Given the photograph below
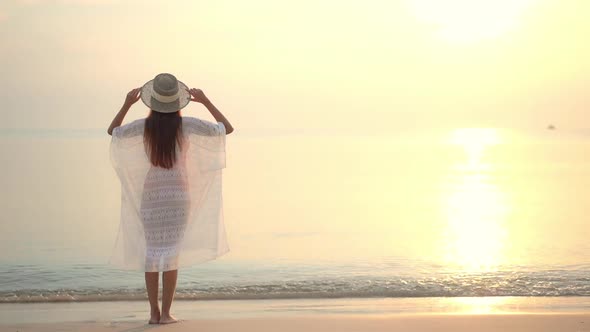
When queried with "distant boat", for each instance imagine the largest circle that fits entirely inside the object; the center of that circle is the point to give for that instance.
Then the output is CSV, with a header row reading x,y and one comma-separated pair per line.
x,y
551,127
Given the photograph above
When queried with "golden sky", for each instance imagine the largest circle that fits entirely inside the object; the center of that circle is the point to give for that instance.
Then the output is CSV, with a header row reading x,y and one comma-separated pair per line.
x,y
309,65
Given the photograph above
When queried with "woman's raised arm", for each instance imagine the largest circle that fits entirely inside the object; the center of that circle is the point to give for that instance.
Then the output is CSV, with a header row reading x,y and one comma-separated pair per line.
x,y
131,98
198,96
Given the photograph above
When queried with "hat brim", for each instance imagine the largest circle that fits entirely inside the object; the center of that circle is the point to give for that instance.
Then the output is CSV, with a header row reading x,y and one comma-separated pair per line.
x,y
147,93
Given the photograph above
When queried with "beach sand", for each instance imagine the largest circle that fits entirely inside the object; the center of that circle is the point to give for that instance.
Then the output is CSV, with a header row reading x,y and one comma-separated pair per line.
x,y
317,323
555,314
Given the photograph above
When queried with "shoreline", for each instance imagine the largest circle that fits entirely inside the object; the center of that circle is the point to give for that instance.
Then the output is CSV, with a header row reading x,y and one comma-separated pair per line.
x,y
546,322
119,312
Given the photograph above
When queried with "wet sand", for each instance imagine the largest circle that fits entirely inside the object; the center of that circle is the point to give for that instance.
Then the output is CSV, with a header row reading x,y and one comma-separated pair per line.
x,y
575,322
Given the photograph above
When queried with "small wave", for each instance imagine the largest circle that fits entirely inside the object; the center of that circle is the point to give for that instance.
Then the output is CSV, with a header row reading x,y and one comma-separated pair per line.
x,y
549,284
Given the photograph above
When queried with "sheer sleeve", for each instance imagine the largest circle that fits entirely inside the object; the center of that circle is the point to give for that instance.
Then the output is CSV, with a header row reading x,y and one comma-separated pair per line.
x,y
204,127
207,143
127,144
131,129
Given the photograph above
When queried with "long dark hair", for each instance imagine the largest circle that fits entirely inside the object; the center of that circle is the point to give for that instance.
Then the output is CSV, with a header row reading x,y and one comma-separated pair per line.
x,y
161,134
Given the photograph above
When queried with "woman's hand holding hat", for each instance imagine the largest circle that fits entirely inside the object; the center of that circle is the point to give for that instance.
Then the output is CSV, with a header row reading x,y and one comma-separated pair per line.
x,y
198,96
132,97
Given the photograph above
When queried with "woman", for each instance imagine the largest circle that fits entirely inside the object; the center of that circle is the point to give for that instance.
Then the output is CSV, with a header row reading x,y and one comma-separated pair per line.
x,y
170,172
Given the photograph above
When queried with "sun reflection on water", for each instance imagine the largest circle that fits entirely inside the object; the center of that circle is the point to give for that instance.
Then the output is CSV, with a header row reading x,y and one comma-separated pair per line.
x,y
476,207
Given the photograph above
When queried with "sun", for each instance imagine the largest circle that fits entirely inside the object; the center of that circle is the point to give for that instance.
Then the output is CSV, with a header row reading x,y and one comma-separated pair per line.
x,y
470,20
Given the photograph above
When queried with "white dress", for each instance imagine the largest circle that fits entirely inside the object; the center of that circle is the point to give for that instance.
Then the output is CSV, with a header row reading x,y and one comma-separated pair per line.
x,y
170,218
165,208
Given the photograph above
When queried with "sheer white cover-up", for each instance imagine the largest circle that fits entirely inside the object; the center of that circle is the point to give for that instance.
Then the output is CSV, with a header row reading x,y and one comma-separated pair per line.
x,y
170,218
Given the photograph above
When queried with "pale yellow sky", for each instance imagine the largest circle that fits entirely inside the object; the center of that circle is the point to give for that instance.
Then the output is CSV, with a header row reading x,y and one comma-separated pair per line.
x,y
346,65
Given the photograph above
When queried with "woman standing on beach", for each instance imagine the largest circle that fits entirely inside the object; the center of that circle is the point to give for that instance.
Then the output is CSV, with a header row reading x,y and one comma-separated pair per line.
x,y
170,172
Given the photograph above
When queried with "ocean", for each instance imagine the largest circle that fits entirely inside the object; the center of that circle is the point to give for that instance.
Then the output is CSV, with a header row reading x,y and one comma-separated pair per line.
x,y
453,213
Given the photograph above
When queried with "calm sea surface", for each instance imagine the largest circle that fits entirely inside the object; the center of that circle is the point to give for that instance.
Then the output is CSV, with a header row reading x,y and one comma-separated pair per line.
x,y
448,213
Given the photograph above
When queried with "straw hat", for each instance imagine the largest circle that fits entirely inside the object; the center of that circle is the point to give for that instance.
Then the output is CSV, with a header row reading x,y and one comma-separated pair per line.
x,y
165,94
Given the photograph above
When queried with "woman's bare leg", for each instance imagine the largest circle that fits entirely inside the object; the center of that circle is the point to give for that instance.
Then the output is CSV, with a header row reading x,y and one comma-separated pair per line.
x,y
168,289
151,283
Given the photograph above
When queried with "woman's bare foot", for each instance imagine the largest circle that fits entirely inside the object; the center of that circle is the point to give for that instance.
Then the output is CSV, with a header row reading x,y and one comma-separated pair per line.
x,y
155,317
168,319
